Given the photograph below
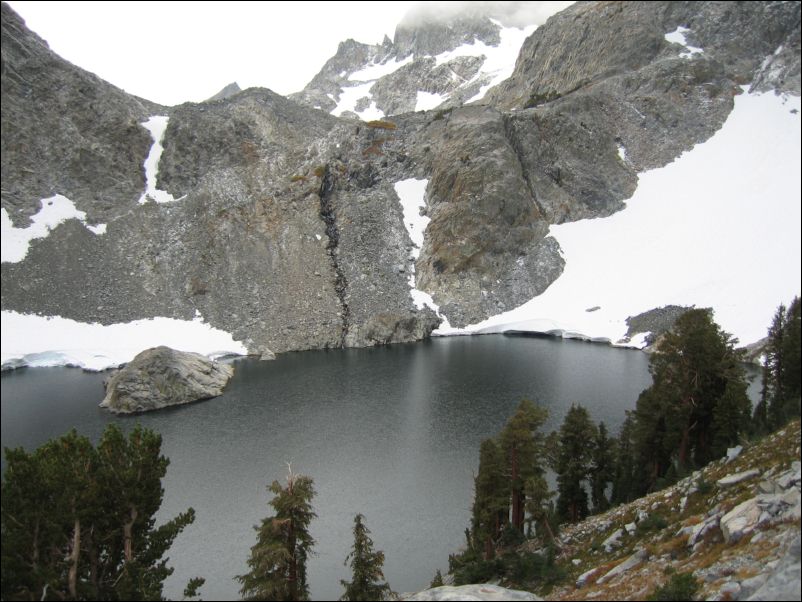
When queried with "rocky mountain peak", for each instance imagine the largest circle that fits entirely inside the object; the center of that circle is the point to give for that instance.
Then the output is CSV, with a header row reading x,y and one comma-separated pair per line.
x,y
226,92
441,56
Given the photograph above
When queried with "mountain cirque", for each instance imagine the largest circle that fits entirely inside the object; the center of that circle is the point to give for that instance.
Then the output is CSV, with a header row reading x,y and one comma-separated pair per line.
x,y
288,231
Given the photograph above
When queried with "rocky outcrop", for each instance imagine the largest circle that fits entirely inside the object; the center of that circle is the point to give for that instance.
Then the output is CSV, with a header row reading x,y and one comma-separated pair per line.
x,y
421,58
473,592
639,557
617,39
162,377
287,231
738,537
656,322
66,131
227,92
782,583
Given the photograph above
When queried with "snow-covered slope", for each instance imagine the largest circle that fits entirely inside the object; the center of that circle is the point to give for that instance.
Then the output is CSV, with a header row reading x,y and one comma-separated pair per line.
x,y
494,63
719,227
439,58
52,341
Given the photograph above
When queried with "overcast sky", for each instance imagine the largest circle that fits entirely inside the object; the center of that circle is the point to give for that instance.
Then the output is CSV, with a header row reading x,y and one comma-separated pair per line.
x,y
172,52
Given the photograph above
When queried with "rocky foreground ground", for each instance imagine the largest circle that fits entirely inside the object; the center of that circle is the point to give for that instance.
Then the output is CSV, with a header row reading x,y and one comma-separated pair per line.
x,y
735,525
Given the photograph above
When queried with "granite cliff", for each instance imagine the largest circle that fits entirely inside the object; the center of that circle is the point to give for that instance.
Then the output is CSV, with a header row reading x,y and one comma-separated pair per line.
x,y
285,226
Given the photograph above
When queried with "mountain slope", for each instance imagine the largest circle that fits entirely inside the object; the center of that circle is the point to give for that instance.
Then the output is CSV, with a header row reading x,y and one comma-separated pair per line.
x,y
285,225
733,525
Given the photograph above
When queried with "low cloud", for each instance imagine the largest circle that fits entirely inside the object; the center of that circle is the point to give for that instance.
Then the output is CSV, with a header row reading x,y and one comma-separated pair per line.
x,y
510,13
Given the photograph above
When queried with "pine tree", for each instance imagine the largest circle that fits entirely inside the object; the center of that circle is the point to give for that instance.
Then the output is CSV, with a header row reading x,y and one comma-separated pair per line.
x,y
624,488
522,445
78,521
132,468
491,501
602,470
540,508
278,560
366,567
437,581
780,397
697,377
573,463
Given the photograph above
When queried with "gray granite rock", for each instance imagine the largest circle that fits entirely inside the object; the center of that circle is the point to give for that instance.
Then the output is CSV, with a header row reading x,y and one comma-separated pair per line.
x,y
739,477
783,582
741,520
163,377
473,592
227,92
637,558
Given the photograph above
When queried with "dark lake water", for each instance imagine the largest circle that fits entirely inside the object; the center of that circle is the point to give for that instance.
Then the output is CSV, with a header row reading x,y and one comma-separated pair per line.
x,y
391,432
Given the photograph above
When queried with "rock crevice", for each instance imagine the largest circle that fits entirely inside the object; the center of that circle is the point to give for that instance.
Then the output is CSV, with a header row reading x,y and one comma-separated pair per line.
x,y
329,216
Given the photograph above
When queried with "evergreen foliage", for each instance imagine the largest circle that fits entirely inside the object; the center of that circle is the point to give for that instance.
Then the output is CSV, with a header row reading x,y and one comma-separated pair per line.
x,y
523,448
574,453
626,469
602,468
366,567
540,508
78,521
278,559
697,404
782,371
437,581
491,502
682,586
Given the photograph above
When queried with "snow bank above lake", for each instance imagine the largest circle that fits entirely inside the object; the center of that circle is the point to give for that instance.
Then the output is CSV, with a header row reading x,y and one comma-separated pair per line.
x,y
719,227
29,340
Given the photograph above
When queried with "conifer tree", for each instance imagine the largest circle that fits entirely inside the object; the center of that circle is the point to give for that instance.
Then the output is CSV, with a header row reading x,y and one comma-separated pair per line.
x,y
602,468
278,559
697,377
437,581
573,463
780,397
366,567
624,489
540,507
491,501
522,445
78,521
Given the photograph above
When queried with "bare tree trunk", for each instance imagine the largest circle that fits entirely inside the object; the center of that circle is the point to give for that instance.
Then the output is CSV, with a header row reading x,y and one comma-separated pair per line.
x,y
551,533
72,578
292,577
683,446
517,515
128,537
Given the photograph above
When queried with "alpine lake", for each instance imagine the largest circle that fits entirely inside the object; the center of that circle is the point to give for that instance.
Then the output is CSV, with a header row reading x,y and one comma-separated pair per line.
x,y
390,432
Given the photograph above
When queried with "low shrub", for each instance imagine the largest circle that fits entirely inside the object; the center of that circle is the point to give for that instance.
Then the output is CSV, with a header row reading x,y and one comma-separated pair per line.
x,y
682,586
381,124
